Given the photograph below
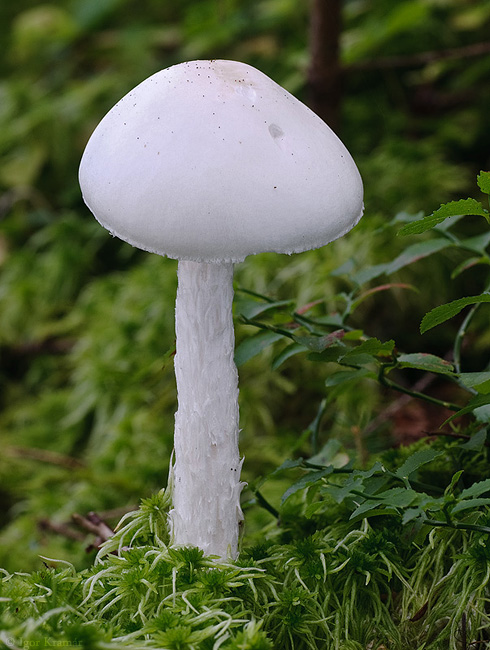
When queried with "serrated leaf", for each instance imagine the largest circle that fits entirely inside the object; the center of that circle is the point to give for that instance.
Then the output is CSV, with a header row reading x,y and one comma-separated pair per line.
x,y
427,362
417,460
372,346
380,511
476,490
306,481
432,503
287,353
254,345
367,352
398,497
470,503
443,313
451,209
483,180
368,506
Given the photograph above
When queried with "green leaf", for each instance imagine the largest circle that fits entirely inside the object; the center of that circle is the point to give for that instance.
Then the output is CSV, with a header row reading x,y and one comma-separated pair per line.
x,y
339,493
368,473
332,353
288,464
252,308
452,209
287,353
474,404
476,490
342,376
399,497
411,254
482,413
252,346
480,381
373,347
476,244
382,287
410,514
353,335
469,264
454,481
476,442
319,343
470,503
483,180
367,352
417,460
379,507
427,362
327,454
306,481
443,313
421,503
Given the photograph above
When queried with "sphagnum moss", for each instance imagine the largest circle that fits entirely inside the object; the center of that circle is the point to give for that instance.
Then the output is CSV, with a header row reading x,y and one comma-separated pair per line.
x,y
348,587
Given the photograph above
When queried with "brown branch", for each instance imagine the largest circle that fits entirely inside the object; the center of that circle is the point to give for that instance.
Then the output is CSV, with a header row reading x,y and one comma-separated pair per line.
x,y
45,456
420,59
95,525
324,72
62,529
92,523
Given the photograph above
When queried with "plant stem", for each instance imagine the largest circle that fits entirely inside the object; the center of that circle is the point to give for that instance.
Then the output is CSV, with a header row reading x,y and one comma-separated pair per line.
x,y
457,525
206,474
413,393
262,501
458,341
315,426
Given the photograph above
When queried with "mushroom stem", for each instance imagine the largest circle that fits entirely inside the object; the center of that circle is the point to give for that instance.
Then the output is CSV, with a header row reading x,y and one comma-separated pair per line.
x,y
206,474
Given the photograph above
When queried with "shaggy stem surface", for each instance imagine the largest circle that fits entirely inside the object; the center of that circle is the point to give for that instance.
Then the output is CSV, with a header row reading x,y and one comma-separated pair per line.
x,y
206,501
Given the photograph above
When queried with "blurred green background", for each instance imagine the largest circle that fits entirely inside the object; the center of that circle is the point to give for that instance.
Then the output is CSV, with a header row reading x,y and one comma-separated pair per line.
x,y
87,392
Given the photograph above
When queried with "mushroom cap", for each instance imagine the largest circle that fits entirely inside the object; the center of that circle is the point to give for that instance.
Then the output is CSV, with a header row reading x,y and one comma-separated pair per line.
x,y
213,161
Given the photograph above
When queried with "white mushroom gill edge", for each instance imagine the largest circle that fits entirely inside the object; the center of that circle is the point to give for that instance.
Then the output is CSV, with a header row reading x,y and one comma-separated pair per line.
x,y
206,474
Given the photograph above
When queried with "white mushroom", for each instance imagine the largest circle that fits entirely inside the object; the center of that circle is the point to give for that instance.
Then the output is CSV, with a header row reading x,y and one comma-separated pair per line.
x,y
208,162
